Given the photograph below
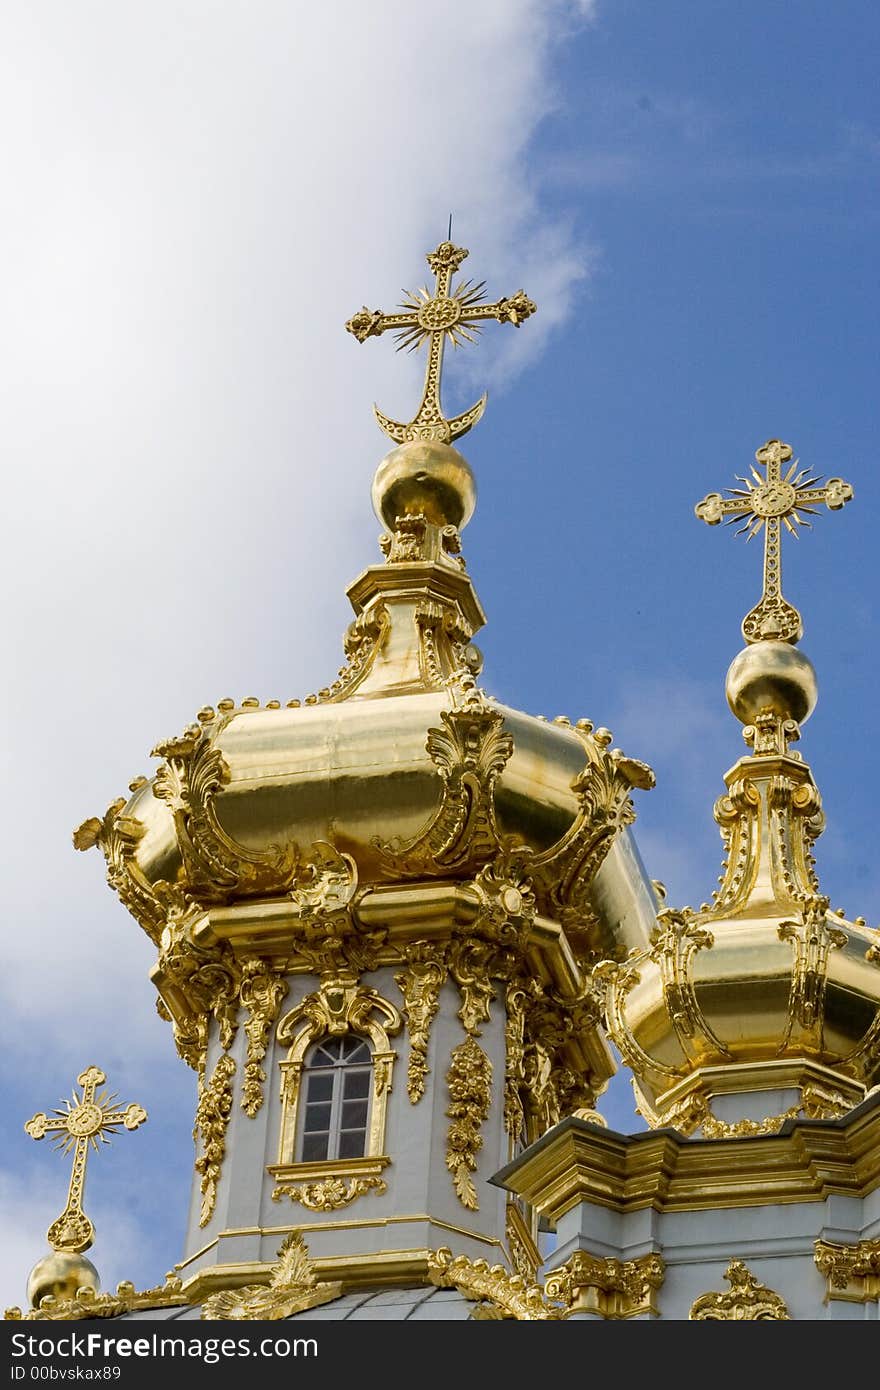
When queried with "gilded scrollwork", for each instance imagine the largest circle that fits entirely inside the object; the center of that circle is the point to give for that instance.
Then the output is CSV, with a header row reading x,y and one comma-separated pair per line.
x,y
469,753
329,1194
118,837
212,1118
606,1287
293,1286
564,873
812,938
261,993
674,941
469,1080
511,1294
420,984
194,771
745,1301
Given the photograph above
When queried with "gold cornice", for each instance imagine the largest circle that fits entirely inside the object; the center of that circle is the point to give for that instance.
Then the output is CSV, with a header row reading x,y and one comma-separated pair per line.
x,y
416,1218
851,1272
578,1162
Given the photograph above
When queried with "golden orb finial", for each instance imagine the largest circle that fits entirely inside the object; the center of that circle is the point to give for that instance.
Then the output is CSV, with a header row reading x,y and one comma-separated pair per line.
x,y
428,478
61,1275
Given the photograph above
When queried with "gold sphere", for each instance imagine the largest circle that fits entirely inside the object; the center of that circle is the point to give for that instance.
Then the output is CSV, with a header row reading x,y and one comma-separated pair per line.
x,y
773,676
427,476
60,1275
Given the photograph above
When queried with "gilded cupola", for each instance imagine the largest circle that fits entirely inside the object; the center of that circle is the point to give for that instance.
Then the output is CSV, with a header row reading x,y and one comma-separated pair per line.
x,y
398,867
763,1005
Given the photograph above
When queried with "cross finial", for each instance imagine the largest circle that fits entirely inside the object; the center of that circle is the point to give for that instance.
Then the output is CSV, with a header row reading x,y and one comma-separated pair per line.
x,y
449,312
767,499
83,1121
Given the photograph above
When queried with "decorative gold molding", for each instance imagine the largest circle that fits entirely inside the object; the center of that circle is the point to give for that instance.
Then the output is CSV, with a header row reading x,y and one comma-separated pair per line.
x,y
852,1272
420,984
328,1185
293,1286
745,1301
212,1118
89,1304
509,1293
469,1080
607,1288
261,992
663,1170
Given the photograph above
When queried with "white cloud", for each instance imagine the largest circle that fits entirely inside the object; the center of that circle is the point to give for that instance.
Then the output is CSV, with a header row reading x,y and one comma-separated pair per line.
x,y
194,201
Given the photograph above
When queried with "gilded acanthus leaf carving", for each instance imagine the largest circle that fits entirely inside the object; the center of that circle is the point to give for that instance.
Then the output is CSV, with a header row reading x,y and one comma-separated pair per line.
x,y
675,939
564,873
292,1287
325,935
118,837
204,982
328,1194
611,1288
469,752
469,1080
420,984
216,865
212,1118
745,1301
812,938
852,1271
261,992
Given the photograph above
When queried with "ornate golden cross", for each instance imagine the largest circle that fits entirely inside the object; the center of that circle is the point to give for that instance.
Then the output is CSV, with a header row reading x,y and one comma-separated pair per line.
x,y
451,312
85,1120
766,500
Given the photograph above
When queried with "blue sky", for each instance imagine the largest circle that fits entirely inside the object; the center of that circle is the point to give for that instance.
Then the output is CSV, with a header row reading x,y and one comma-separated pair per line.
x,y
690,191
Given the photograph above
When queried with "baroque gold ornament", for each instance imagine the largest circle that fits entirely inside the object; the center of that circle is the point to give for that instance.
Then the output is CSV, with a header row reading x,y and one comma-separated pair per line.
x,y
451,313
611,1288
420,984
212,1118
293,1286
745,1301
469,1080
82,1123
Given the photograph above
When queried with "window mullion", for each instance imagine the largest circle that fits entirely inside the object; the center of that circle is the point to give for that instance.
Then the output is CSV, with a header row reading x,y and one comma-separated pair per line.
x,y
336,1110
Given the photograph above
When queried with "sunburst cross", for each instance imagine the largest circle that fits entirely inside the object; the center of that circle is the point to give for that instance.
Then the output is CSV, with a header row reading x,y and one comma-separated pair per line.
x,y
765,500
451,313
81,1122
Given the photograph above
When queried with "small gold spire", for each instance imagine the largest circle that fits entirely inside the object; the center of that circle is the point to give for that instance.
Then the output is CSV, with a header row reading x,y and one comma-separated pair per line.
x,y
767,499
451,312
84,1121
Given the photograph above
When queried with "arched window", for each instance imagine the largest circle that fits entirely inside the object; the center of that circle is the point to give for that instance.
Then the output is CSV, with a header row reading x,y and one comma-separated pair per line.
x,y
337,1079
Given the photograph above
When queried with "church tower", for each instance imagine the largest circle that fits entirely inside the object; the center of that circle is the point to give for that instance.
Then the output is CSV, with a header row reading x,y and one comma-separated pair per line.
x,y
375,913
